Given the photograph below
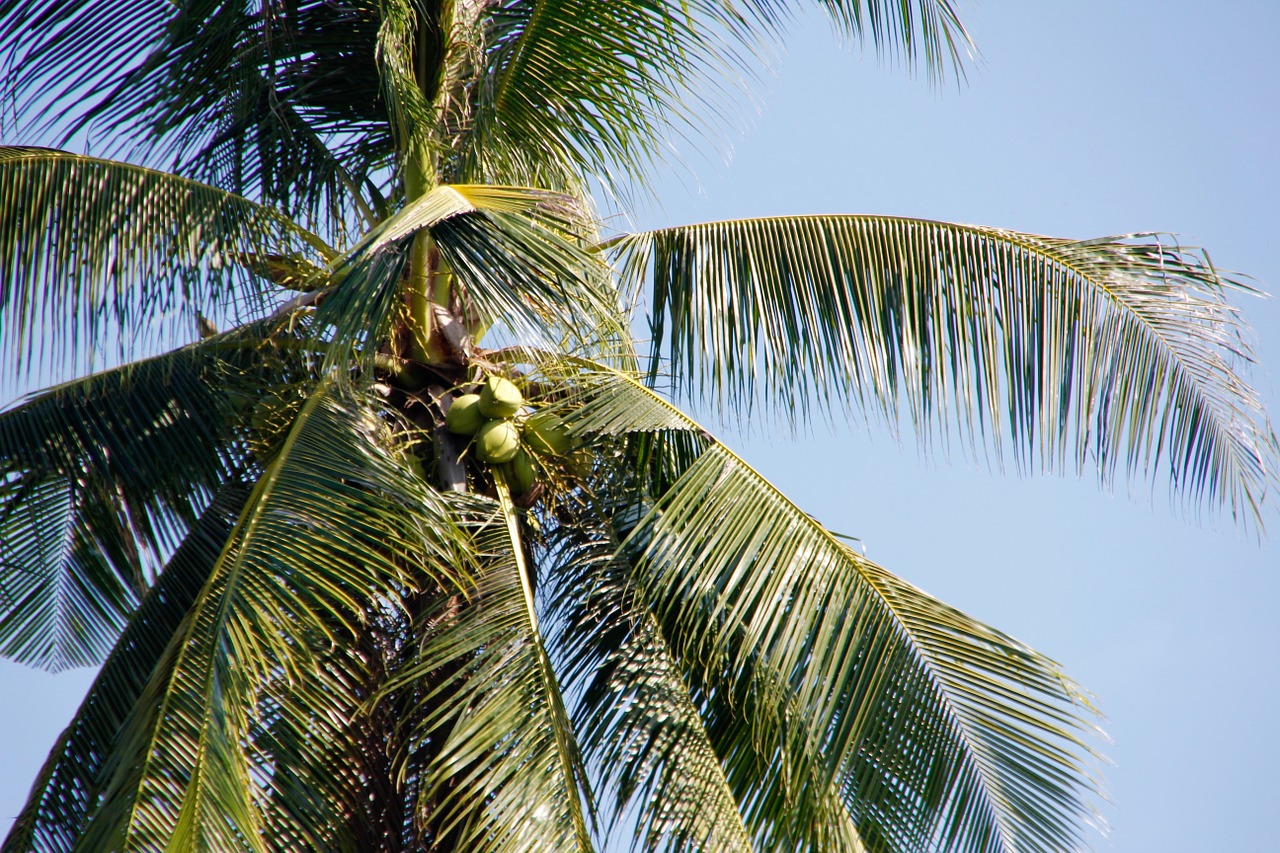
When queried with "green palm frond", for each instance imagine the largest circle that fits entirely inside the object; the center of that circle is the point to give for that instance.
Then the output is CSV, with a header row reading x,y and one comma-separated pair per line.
x,y
44,46
549,63
927,31
67,791
102,477
410,55
63,599
823,679
574,87
335,523
98,252
1117,352
530,279
277,102
856,673
513,252
507,775
640,727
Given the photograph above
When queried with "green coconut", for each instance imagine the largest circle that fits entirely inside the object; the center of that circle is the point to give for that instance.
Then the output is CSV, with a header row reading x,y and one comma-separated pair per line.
x,y
546,435
497,441
500,398
522,476
464,416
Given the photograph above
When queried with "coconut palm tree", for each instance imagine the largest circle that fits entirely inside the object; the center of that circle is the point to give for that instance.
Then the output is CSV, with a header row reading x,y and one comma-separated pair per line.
x,y
417,553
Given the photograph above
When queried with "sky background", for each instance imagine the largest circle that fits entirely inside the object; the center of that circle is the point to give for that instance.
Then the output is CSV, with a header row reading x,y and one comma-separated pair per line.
x,y
1081,119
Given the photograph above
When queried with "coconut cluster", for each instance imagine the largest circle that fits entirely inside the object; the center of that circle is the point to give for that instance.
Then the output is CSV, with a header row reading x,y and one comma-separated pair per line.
x,y
500,436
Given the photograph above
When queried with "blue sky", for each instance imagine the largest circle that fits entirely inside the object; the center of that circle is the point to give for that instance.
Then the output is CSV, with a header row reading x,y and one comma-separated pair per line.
x,y
1081,119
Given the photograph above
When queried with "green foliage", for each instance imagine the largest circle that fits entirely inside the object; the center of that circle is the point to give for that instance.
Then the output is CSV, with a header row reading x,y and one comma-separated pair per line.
x,y
328,619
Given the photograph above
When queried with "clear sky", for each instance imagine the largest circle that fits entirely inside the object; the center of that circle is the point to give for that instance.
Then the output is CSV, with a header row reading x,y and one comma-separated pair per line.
x,y
1082,119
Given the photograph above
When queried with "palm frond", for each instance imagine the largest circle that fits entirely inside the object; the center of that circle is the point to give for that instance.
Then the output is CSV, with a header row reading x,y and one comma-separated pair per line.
x,y
67,791
335,524
410,54
927,31
640,728
1117,352
530,279
858,675
62,600
512,251
573,87
101,477
507,775
818,671
278,102
44,44
96,252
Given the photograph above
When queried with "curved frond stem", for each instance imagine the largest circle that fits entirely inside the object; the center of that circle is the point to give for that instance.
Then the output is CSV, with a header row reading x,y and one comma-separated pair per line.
x,y
506,775
517,548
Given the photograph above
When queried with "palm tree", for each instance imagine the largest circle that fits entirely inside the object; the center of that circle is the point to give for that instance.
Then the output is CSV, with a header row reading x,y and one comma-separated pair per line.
x,y
330,616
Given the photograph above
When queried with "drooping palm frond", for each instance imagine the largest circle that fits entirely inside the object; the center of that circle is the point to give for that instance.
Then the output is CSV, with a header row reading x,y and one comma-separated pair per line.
x,y
1118,352
825,681
639,725
67,791
62,600
506,776
95,252
573,88
513,252
42,50
103,476
924,30
335,524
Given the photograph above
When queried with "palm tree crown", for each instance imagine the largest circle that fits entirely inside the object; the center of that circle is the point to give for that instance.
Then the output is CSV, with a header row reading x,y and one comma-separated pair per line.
x,y
409,549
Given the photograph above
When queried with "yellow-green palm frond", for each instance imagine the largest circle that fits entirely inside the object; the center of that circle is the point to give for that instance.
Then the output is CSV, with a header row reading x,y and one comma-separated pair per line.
x,y
505,775
516,257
